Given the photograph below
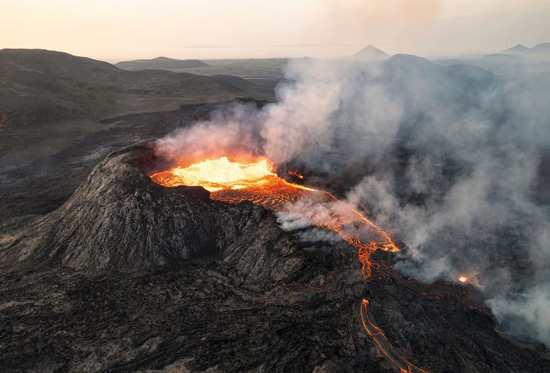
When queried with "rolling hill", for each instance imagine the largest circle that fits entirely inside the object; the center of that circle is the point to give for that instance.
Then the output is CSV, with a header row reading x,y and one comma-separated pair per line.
x,y
49,98
160,63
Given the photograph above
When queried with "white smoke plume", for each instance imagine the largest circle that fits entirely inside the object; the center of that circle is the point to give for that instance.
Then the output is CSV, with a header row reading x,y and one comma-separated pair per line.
x,y
446,158
314,117
223,134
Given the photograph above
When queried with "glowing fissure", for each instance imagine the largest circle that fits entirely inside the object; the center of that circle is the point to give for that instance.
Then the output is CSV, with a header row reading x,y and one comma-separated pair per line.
x,y
254,179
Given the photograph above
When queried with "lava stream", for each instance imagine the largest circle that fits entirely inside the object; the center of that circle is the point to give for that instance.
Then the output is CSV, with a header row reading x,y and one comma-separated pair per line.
x,y
256,181
384,345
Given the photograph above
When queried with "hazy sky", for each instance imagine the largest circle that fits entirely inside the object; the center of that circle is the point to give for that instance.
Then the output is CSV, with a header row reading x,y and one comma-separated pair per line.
x,y
125,29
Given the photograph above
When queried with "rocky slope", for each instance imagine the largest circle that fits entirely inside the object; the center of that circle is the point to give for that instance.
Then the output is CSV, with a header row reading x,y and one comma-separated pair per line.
x,y
134,224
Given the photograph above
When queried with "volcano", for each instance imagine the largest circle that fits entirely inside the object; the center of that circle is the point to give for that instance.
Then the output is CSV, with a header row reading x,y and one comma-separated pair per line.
x,y
145,269
370,52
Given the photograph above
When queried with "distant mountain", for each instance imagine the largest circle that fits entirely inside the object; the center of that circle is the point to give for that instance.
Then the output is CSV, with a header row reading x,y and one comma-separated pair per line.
x,y
160,63
542,48
370,52
518,49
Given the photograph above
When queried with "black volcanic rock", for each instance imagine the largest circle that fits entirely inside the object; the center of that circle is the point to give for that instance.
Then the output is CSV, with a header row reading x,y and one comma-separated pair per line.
x,y
131,276
460,334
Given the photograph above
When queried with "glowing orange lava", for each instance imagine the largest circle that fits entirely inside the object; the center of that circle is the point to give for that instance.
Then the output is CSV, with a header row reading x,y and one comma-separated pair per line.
x,y
295,173
220,174
384,345
463,279
256,180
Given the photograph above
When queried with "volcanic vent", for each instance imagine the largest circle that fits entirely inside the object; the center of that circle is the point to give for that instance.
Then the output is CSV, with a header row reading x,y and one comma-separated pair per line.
x,y
254,179
118,220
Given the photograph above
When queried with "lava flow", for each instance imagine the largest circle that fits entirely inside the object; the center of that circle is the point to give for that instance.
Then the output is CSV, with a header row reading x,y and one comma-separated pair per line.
x,y
255,180
384,345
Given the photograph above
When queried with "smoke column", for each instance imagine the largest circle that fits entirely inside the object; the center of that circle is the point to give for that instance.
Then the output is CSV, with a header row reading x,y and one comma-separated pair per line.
x,y
447,158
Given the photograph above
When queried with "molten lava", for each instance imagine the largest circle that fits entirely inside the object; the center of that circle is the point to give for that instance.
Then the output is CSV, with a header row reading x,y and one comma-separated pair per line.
x,y
384,345
255,180
295,173
221,174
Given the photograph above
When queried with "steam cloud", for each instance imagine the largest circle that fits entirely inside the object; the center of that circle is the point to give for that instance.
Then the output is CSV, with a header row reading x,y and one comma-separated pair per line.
x,y
219,136
446,158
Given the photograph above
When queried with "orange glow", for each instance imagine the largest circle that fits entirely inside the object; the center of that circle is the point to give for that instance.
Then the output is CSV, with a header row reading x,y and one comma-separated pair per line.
x,y
255,180
384,345
294,172
463,279
219,174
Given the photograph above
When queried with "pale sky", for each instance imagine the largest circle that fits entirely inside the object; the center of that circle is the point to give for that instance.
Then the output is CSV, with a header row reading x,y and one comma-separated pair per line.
x,y
115,30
